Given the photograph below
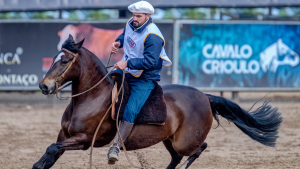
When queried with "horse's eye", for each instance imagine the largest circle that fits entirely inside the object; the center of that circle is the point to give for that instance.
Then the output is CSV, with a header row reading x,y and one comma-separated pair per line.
x,y
64,62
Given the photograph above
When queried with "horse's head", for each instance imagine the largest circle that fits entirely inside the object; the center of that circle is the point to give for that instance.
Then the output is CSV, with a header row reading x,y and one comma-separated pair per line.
x,y
64,68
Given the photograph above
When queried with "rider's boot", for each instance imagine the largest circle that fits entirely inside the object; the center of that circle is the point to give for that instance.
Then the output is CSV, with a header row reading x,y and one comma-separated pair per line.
x,y
114,152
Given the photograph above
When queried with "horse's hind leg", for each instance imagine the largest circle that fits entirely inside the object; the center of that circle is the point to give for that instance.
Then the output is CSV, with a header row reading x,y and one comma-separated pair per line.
x,y
192,158
52,154
176,158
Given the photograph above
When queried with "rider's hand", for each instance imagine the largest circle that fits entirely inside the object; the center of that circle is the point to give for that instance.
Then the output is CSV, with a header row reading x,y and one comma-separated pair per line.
x,y
114,47
121,65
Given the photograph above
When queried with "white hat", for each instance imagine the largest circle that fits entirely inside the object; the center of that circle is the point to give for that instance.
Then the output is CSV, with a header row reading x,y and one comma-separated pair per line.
x,y
141,7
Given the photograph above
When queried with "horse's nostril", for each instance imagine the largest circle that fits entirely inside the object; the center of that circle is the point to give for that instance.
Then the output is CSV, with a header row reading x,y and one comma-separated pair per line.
x,y
43,87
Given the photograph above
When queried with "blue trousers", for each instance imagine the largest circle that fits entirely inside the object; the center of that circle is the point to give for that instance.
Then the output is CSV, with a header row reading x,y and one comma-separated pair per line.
x,y
140,91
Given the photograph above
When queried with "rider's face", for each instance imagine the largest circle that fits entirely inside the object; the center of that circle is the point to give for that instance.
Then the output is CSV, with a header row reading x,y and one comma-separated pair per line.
x,y
139,19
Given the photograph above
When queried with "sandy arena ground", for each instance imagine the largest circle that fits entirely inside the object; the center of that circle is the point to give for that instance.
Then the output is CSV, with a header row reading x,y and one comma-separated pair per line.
x,y
27,128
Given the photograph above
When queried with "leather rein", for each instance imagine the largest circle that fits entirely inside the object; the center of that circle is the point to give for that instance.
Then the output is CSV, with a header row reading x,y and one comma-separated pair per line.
x,y
112,104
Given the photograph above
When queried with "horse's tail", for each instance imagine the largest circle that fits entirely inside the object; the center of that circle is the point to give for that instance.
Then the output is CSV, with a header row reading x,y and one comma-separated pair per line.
x,y
261,124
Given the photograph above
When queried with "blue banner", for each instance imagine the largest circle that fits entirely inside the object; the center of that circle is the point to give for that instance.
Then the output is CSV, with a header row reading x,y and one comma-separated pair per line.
x,y
239,55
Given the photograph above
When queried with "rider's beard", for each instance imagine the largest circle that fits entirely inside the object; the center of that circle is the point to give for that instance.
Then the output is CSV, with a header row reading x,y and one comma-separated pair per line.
x,y
136,24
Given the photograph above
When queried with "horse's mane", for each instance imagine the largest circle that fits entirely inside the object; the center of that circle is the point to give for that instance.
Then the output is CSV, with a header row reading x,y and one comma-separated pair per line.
x,y
98,62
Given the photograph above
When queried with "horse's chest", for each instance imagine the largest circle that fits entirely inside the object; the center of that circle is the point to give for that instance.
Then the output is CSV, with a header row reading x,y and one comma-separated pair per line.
x,y
80,122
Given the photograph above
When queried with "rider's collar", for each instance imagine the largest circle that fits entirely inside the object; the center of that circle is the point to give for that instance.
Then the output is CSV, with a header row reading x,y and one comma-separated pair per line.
x,y
141,28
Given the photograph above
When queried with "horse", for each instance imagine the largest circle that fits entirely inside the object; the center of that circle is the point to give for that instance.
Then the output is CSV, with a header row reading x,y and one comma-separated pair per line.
x,y
190,113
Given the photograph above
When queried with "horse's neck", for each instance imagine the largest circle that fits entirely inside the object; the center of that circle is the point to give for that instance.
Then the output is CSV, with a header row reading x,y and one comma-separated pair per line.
x,y
92,71
95,102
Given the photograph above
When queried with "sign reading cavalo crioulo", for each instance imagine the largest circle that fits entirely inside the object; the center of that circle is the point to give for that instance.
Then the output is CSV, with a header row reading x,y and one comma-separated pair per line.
x,y
239,55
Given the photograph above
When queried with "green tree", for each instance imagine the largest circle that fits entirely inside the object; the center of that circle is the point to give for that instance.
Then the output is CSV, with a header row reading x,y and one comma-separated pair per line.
x,y
283,13
73,16
5,16
168,14
249,11
97,15
10,15
193,14
41,15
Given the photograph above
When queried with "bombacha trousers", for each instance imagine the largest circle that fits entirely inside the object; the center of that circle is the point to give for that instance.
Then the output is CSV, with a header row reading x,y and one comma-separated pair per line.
x,y
140,91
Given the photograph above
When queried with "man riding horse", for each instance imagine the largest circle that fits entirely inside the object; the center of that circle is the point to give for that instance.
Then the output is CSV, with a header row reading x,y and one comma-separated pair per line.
x,y
190,112
144,56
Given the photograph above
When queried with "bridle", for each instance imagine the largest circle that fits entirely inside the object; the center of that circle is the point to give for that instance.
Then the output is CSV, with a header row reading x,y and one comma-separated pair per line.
x,y
61,77
115,100
58,80
70,64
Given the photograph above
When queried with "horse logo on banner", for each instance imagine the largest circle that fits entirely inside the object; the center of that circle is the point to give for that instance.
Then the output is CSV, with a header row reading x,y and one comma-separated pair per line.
x,y
278,54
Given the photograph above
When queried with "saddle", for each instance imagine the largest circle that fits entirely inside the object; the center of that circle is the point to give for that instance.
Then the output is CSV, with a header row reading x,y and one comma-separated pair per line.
x,y
154,110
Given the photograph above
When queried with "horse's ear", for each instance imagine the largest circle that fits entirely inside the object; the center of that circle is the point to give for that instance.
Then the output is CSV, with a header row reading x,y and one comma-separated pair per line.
x,y
71,37
79,44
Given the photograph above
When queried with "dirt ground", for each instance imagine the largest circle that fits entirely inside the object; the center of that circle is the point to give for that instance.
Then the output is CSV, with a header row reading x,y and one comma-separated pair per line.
x,y
28,128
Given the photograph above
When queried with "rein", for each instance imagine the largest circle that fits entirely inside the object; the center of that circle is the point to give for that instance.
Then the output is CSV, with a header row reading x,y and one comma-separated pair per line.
x,y
115,100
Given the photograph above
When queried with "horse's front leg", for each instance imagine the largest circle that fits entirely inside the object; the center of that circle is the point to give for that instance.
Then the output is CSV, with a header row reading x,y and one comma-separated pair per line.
x,y
77,142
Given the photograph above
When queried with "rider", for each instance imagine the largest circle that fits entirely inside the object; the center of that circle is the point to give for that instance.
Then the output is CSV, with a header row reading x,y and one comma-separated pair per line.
x,y
144,56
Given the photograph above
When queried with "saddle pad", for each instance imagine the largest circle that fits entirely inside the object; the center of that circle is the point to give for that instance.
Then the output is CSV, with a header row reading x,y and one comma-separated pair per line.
x,y
154,110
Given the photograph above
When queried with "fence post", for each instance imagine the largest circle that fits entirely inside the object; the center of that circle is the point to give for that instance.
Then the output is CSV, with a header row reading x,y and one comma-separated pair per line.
x,y
176,37
221,93
235,95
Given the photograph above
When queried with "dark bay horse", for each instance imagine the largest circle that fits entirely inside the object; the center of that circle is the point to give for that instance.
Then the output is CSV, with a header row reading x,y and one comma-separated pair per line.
x,y
189,119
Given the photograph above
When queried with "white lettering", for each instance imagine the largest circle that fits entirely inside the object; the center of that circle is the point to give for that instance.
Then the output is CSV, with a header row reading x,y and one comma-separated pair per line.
x,y
256,66
19,79
228,51
205,51
10,59
222,52
243,64
33,79
16,59
6,79
6,61
215,66
248,54
205,68
236,51
24,79
216,51
230,66
13,78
